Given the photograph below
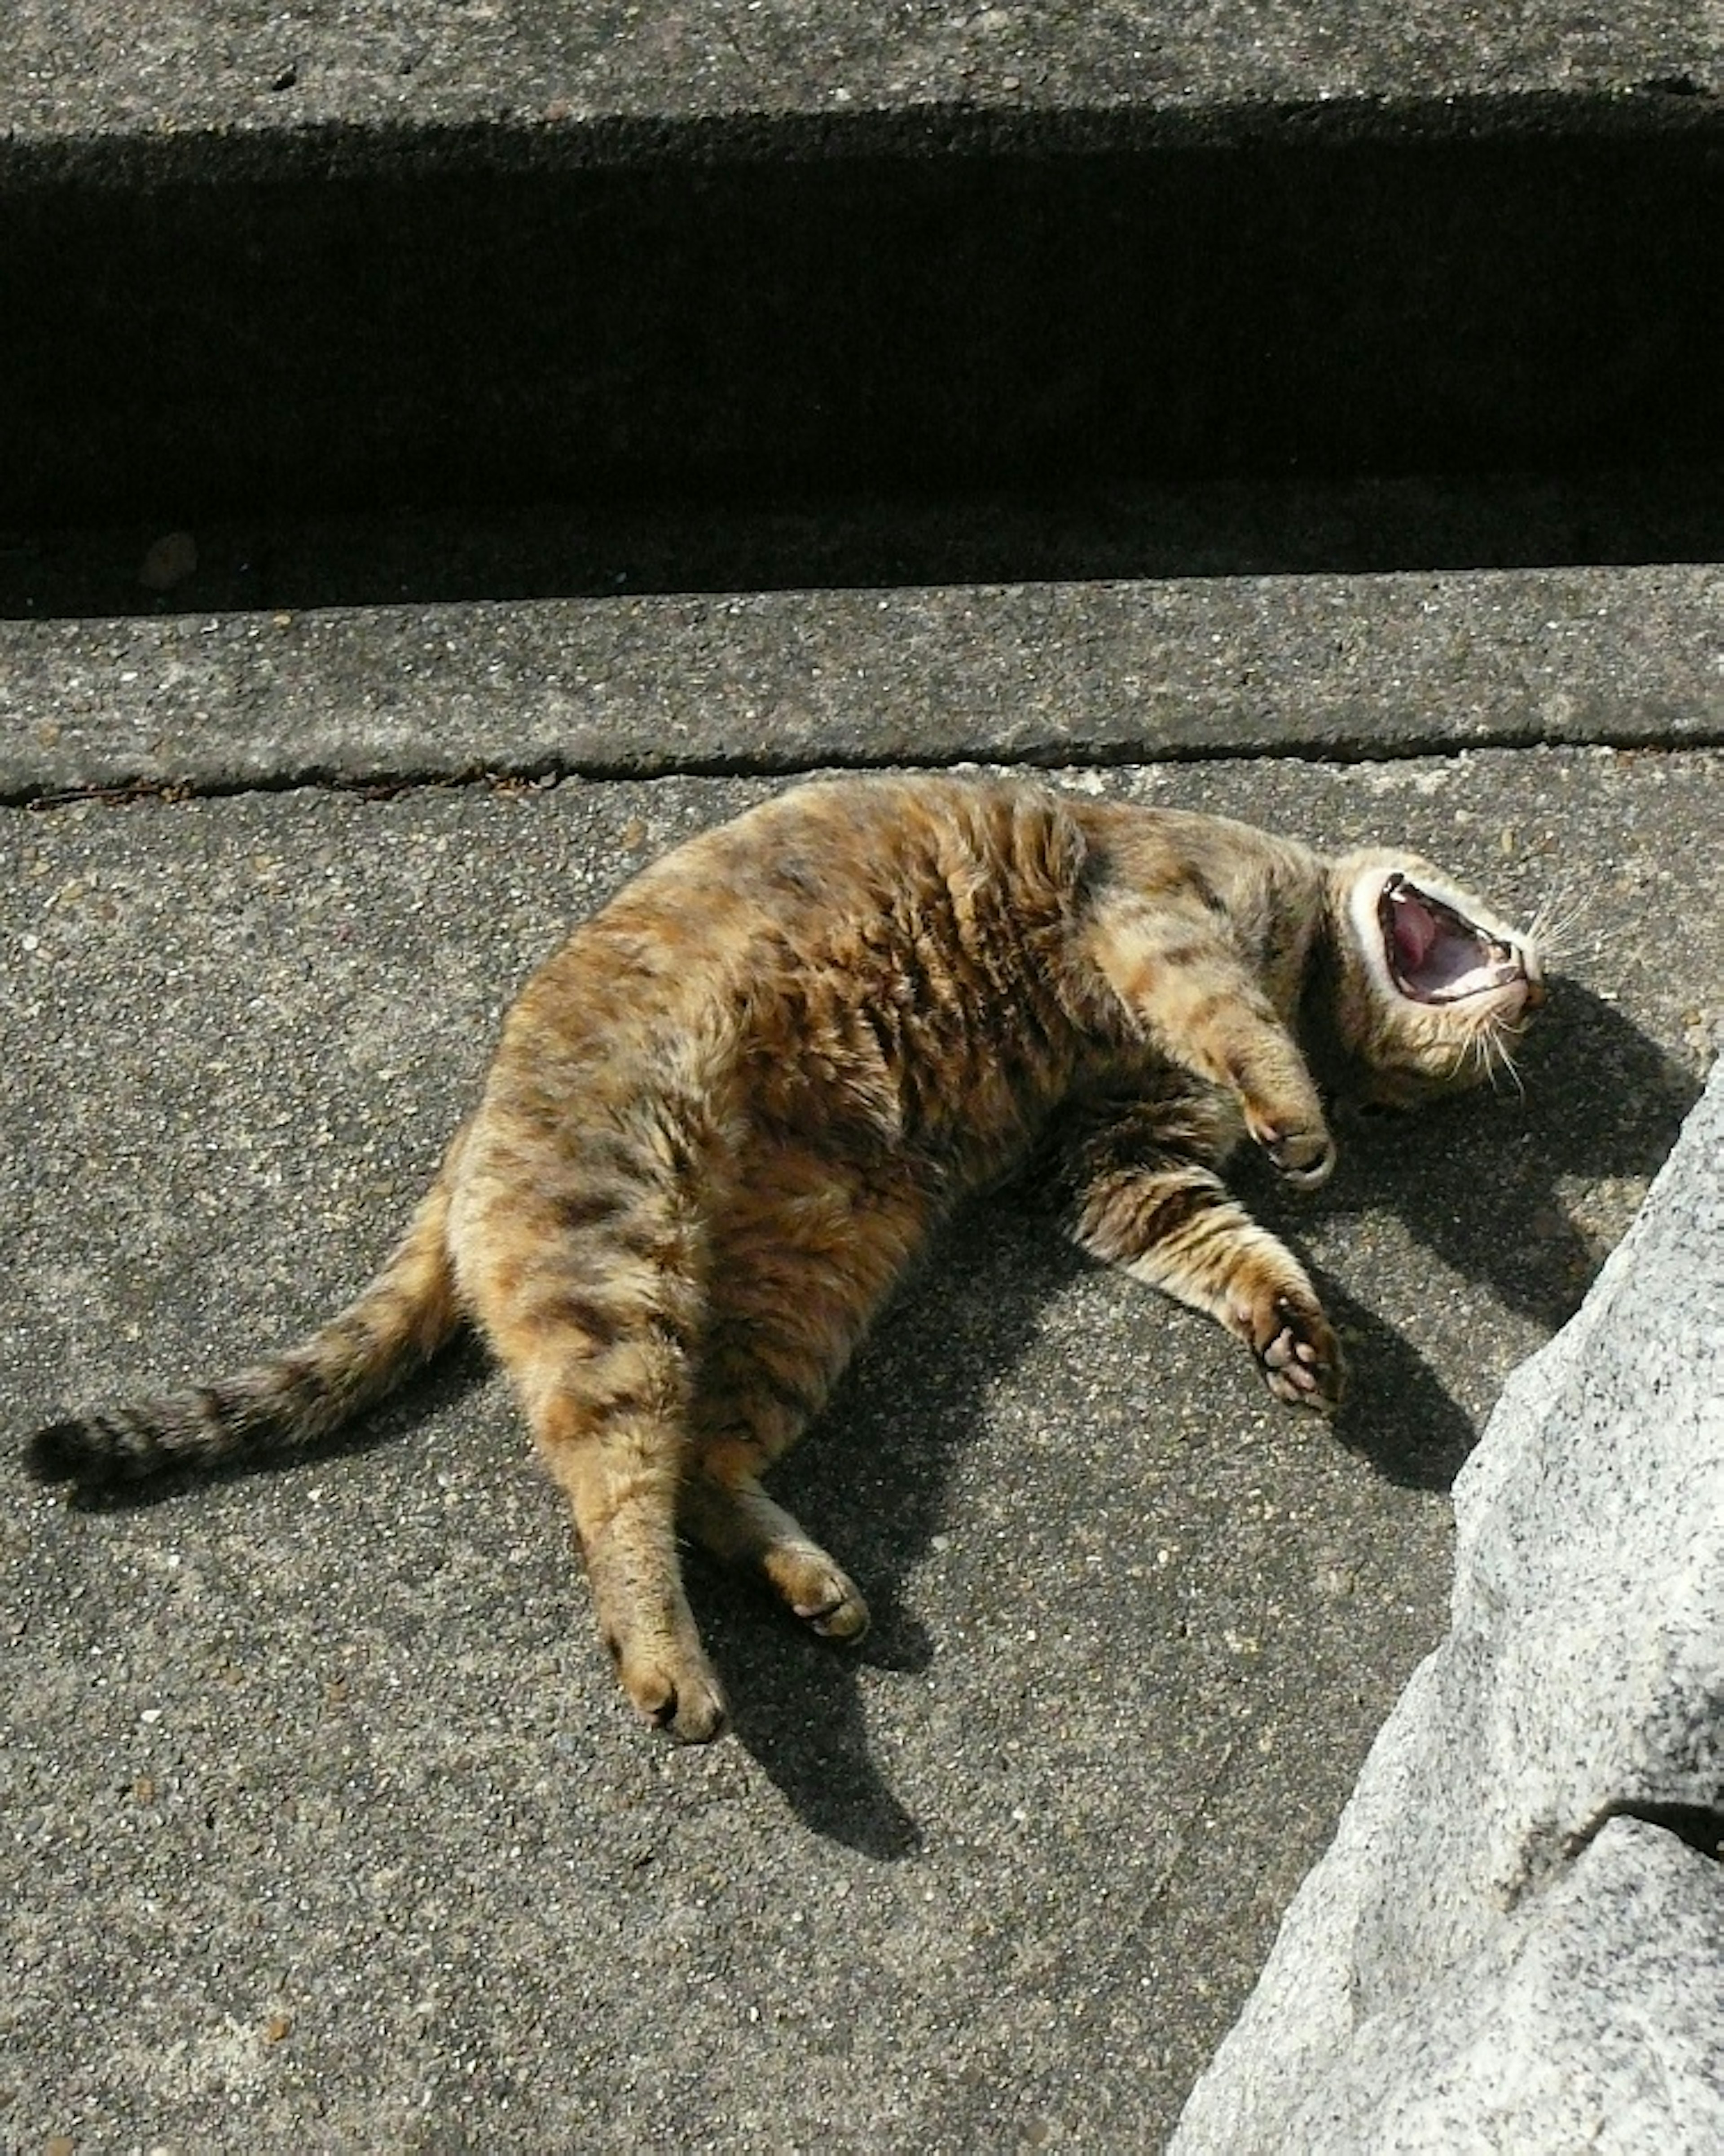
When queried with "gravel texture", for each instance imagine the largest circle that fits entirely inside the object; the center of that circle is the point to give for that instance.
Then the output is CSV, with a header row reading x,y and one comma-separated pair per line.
x,y
73,70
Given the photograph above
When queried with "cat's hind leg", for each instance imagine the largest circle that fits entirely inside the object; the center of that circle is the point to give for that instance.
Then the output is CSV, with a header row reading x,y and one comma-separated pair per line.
x,y
761,1383
808,1250
599,1335
726,1510
621,1467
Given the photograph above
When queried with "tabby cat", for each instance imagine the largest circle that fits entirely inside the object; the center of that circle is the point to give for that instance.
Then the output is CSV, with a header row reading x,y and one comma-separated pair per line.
x,y
727,1114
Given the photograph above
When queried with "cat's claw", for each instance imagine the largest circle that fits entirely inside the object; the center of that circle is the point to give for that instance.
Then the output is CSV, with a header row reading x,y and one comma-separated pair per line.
x,y
694,1717
1300,1357
844,1618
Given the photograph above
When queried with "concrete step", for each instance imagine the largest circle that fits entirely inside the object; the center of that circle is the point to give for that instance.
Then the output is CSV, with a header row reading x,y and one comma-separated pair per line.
x,y
416,256
1342,668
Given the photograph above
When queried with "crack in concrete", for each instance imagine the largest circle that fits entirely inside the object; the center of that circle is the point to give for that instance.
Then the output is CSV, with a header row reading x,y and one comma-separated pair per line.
x,y
383,784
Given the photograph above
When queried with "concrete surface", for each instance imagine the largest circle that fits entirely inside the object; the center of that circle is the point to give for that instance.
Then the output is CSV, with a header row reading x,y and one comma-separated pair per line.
x,y
232,66
324,1827
1326,666
1507,1944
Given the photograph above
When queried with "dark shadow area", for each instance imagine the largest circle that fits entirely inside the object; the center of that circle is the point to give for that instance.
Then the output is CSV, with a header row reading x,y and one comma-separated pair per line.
x,y
1477,1180
927,346
601,549
871,1483
1396,1413
1701,1827
1479,1185
796,1709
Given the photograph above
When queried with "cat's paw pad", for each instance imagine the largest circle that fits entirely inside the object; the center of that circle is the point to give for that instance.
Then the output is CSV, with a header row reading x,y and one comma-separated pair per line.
x,y
679,1695
1303,1158
1299,1356
819,1592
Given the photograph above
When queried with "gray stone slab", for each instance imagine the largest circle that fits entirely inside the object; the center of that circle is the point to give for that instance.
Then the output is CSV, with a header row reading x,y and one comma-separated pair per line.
x,y
1591,2017
75,70
324,1826
1314,665
1583,1679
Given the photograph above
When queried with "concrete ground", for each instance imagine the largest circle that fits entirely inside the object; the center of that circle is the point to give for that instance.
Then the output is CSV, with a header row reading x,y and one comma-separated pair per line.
x,y
230,67
325,1825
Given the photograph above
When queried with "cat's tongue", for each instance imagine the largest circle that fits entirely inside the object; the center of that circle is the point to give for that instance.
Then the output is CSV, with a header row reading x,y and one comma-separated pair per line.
x,y
1415,931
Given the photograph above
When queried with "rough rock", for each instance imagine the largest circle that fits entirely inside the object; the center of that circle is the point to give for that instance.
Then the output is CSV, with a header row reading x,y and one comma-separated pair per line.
x,y
1507,1945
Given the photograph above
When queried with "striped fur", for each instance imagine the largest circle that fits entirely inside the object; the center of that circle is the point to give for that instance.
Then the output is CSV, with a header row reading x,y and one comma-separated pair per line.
x,y
723,1119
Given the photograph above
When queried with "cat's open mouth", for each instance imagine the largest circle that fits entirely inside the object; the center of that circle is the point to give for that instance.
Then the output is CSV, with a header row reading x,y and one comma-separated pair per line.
x,y
1434,953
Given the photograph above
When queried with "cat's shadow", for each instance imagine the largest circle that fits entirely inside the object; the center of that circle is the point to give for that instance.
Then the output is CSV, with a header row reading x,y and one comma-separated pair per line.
x,y
871,1480
797,1707
1479,1181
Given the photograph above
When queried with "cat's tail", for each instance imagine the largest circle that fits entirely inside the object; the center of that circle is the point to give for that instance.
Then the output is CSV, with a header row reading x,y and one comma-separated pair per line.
x,y
290,1401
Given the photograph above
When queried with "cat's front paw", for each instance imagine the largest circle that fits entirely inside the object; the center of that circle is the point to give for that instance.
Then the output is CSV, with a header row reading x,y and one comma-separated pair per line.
x,y
1299,1354
1304,1158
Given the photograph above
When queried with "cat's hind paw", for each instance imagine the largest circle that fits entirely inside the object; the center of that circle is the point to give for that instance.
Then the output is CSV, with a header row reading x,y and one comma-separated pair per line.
x,y
1299,1354
825,1598
676,1693
740,1523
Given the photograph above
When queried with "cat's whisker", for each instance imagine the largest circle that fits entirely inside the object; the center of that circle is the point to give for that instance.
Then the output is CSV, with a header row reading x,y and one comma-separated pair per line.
x,y
1506,1061
1506,1039
1557,925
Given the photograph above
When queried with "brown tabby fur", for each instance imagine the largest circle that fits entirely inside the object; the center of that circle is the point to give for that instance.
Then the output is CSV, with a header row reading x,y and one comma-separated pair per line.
x,y
725,1116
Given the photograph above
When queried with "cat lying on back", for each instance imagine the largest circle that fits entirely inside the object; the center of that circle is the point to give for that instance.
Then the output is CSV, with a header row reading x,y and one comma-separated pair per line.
x,y
726,1115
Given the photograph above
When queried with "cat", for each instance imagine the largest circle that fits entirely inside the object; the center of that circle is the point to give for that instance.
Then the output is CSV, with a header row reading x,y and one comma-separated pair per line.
x,y
724,1118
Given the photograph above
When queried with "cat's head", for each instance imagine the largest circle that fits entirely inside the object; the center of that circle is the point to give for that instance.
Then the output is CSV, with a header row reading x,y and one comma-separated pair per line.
x,y
1431,989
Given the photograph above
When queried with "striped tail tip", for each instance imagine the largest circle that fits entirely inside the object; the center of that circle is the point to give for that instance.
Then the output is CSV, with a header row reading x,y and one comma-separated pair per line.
x,y
65,1452
123,1445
